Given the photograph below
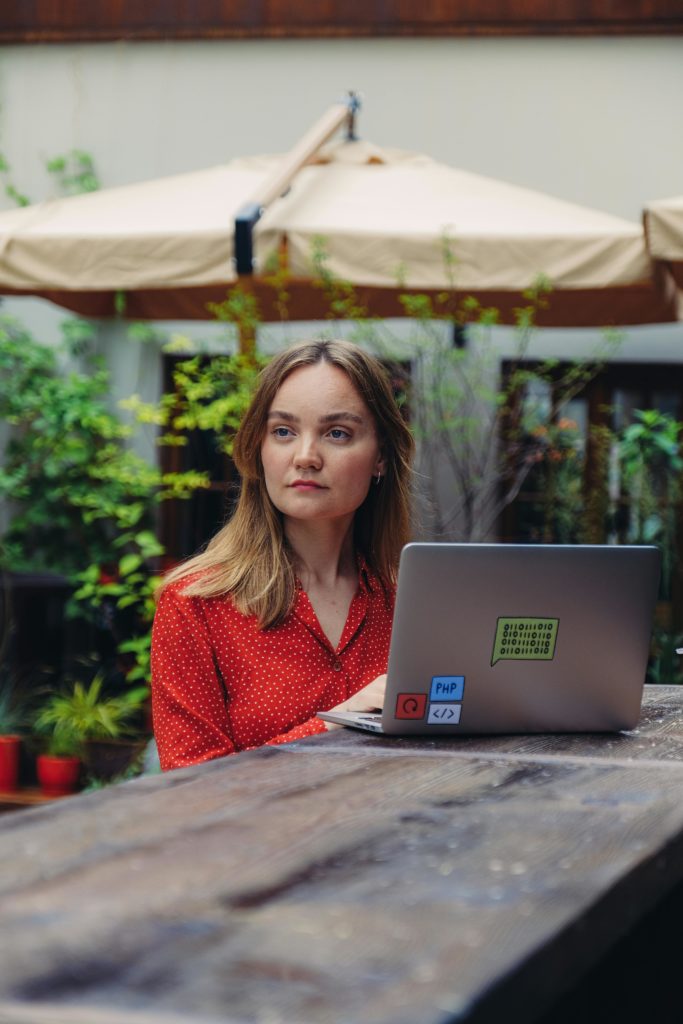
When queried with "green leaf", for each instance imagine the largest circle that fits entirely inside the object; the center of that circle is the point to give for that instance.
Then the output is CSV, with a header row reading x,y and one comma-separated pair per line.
x,y
129,563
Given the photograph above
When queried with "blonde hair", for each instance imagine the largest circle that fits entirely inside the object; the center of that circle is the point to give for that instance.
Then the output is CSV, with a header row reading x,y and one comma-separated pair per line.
x,y
249,558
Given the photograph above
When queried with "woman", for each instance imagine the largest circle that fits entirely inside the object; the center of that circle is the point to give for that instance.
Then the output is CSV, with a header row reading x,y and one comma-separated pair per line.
x,y
288,611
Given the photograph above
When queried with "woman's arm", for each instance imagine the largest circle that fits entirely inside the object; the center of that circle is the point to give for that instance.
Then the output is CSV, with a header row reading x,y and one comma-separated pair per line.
x,y
189,696
370,698
191,722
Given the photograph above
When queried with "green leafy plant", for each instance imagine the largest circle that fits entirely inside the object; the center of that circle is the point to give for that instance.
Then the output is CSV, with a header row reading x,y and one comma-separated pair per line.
x,y
72,482
78,491
81,712
75,172
11,190
559,479
129,586
15,704
650,458
82,502
210,393
651,464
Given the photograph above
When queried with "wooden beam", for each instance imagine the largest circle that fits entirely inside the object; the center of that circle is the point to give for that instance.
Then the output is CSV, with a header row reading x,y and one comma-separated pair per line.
x,y
306,300
44,21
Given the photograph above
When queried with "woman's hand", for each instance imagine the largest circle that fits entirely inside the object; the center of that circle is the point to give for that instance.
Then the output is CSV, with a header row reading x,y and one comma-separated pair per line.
x,y
370,698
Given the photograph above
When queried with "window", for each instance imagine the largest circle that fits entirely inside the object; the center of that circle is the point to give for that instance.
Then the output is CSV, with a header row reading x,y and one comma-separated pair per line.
x,y
187,524
576,489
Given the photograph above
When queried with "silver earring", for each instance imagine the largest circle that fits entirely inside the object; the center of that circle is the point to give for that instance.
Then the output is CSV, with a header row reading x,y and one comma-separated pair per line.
x,y
377,479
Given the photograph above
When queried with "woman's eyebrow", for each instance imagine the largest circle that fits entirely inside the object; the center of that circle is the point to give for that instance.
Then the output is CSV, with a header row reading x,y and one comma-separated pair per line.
x,y
278,414
332,417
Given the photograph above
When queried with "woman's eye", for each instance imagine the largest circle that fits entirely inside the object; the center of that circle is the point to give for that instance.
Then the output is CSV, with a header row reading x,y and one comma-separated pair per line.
x,y
338,434
281,432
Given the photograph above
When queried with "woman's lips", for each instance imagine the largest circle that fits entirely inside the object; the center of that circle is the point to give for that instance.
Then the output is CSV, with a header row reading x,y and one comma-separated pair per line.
x,y
306,485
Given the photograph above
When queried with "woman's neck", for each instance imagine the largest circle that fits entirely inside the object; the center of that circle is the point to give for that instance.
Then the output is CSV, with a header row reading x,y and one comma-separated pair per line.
x,y
323,552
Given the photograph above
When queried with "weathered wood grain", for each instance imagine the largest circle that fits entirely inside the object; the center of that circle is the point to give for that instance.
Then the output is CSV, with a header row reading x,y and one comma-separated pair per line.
x,y
347,878
49,1013
46,21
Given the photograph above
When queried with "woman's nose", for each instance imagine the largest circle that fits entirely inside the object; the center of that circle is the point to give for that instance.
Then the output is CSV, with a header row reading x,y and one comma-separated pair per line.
x,y
307,452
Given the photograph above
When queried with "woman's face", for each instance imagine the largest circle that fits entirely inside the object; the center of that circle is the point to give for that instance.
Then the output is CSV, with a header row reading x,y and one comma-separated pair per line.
x,y
320,450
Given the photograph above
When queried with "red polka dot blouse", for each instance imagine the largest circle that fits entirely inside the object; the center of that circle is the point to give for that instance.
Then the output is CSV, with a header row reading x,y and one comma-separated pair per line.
x,y
220,684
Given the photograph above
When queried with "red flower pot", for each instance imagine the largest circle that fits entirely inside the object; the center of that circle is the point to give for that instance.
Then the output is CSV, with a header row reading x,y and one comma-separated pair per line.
x,y
58,776
9,763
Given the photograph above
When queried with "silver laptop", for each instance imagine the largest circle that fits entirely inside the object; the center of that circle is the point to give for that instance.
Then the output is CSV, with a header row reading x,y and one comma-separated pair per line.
x,y
508,638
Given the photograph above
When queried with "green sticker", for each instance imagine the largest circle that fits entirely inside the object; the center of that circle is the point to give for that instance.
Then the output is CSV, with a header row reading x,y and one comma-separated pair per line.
x,y
525,639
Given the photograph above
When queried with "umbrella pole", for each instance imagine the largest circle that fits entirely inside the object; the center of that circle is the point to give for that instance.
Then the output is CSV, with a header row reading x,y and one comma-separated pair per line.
x,y
279,181
306,148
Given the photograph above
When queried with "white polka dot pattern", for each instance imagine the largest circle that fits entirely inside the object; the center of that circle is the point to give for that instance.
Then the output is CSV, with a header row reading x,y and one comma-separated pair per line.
x,y
220,684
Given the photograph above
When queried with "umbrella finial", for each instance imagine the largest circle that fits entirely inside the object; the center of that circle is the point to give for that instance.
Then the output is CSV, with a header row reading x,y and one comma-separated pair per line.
x,y
353,102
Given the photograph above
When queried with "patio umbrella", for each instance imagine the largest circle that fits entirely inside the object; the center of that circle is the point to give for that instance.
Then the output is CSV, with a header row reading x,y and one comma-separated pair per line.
x,y
385,215
663,219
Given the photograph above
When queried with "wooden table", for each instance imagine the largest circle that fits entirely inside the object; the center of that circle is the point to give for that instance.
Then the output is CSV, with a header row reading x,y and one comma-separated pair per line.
x,y
353,879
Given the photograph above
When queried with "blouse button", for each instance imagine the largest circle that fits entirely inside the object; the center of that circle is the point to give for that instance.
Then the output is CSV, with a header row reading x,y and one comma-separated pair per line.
x,y
337,666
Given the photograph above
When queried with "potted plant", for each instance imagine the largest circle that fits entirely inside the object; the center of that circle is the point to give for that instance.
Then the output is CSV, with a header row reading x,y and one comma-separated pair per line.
x,y
16,702
59,767
11,722
10,750
78,719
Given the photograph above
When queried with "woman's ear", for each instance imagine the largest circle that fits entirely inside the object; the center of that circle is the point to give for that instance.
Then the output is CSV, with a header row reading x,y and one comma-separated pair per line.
x,y
380,465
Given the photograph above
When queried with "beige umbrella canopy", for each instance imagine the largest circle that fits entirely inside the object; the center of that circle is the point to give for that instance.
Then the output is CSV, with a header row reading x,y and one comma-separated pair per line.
x,y
664,230
384,216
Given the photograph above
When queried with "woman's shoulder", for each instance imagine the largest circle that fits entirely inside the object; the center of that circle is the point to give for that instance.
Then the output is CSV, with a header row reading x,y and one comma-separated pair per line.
x,y
192,589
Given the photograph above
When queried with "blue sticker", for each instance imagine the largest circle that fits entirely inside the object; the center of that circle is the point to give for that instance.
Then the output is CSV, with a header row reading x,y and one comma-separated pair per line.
x,y
446,688
444,714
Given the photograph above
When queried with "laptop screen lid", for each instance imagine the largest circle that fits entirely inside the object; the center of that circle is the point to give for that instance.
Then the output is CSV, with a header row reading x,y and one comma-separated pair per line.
x,y
501,638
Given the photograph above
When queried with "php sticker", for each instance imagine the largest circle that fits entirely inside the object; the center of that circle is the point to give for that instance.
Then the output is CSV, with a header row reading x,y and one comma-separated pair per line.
x,y
445,688
525,639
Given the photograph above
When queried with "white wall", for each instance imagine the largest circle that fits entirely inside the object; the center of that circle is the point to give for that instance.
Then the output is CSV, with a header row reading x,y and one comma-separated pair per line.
x,y
596,120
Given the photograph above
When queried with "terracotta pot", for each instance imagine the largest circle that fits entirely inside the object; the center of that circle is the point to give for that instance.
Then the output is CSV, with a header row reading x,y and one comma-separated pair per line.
x,y
10,747
58,776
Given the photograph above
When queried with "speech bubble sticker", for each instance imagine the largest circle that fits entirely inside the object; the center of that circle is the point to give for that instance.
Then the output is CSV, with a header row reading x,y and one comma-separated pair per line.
x,y
525,639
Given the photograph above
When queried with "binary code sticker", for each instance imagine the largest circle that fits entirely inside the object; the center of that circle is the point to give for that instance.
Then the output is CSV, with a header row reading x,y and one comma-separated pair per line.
x,y
525,639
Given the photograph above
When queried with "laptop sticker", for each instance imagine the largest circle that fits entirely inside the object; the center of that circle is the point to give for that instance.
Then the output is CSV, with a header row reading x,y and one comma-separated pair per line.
x,y
411,705
444,714
525,639
446,688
